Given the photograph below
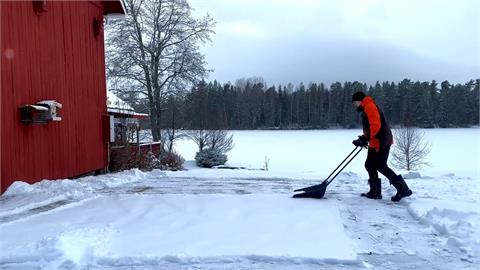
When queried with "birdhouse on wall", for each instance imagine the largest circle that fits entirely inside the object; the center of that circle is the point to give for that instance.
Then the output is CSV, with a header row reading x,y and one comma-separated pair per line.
x,y
40,113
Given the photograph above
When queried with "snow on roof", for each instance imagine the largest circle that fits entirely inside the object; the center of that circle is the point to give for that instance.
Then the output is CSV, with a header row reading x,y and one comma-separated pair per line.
x,y
117,105
115,102
129,113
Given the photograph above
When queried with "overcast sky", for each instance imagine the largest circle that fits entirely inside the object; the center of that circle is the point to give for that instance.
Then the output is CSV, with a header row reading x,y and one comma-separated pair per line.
x,y
333,40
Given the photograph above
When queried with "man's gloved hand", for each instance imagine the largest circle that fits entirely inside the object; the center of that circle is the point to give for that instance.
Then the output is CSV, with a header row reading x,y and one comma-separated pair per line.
x,y
362,141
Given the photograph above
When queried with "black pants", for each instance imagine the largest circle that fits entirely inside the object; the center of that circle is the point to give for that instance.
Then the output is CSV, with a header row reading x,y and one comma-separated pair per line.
x,y
377,162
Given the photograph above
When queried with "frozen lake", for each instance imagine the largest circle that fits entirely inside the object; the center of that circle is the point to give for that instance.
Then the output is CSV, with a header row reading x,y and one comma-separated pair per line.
x,y
315,153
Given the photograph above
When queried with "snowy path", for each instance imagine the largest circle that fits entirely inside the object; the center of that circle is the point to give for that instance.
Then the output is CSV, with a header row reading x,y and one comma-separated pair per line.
x,y
390,237
386,235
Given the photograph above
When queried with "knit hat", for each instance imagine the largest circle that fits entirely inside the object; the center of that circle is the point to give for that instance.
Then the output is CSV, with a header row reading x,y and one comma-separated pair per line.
x,y
358,96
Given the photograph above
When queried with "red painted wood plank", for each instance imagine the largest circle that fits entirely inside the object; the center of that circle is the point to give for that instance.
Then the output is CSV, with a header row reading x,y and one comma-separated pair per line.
x,y
58,58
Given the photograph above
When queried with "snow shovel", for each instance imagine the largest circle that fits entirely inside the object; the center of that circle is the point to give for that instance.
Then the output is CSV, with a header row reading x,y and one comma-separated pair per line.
x,y
318,191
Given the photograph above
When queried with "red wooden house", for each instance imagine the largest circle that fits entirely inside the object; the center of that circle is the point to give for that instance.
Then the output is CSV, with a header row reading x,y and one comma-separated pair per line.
x,y
53,89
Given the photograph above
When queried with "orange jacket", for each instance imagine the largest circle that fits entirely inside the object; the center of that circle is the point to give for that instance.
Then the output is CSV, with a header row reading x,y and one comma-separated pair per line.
x,y
375,124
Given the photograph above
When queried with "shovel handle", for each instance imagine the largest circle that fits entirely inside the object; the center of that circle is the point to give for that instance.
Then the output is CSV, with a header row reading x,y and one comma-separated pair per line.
x,y
358,152
356,147
326,182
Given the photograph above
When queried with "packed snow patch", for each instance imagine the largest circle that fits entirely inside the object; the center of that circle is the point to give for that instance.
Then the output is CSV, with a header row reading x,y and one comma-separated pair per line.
x,y
157,227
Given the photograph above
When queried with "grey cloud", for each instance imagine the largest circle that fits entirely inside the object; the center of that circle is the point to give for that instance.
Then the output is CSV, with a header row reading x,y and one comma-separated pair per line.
x,y
331,41
309,60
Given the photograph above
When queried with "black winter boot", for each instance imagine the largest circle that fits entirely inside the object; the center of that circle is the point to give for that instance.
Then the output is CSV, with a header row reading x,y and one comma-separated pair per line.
x,y
402,189
375,189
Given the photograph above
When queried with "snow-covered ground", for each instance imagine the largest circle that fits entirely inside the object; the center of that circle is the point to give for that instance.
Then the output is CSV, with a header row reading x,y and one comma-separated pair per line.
x,y
246,219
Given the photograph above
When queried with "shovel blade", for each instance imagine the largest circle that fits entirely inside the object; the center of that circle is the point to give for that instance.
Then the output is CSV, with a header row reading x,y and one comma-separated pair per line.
x,y
323,185
316,194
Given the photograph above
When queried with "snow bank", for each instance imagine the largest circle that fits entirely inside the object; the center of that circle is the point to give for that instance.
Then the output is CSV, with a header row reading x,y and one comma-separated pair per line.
x,y
76,187
21,196
411,175
458,221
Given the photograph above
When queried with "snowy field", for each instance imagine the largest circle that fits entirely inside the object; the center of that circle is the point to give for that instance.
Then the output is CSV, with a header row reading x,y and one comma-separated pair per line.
x,y
313,153
246,219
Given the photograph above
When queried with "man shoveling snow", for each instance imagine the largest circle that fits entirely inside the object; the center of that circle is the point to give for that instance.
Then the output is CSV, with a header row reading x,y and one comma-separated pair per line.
x,y
378,137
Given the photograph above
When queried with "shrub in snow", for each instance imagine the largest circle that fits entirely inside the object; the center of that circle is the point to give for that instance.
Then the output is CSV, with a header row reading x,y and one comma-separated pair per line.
x,y
126,159
171,161
210,157
149,162
167,161
212,147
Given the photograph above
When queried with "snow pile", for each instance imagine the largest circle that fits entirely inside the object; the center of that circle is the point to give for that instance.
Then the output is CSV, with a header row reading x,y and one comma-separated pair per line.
x,y
78,187
21,196
458,221
180,227
412,175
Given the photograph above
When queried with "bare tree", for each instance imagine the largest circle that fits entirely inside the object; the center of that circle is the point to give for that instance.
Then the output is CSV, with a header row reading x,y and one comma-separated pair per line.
x,y
169,137
170,132
200,137
410,148
218,140
154,51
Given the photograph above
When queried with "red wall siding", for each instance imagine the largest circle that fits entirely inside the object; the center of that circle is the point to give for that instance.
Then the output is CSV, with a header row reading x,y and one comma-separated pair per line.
x,y
56,56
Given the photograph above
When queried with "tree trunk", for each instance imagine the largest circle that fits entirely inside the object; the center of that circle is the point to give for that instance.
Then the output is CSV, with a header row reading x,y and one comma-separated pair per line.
x,y
172,136
155,126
